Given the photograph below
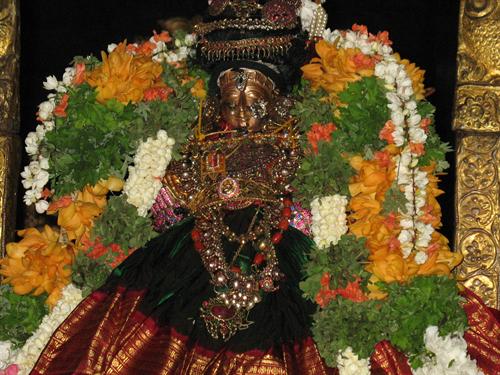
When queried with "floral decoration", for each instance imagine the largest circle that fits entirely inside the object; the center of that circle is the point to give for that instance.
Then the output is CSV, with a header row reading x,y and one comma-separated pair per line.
x,y
368,176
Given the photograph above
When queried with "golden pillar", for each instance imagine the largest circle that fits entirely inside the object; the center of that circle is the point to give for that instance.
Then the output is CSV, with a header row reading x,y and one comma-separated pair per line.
x,y
477,123
10,147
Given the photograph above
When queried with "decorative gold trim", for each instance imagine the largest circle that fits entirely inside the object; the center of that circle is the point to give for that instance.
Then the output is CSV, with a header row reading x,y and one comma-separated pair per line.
x,y
477,122
246,48
9,118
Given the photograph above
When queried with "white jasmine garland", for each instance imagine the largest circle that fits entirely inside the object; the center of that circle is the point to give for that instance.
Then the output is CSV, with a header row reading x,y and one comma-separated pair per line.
x,y
306,14
50,83
406,119
150,162
349,363
45,110
27,356
329,219
450,355
184,49
6,353
69,75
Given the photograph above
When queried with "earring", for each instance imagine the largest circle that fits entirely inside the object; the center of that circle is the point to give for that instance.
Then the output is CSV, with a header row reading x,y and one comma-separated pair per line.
x,y
280,109
259,109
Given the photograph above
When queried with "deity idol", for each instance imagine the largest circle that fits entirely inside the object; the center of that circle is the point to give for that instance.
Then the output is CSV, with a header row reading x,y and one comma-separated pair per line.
x,y
218,291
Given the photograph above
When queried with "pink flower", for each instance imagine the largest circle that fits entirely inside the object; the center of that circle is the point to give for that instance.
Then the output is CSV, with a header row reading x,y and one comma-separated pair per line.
x,y
11,370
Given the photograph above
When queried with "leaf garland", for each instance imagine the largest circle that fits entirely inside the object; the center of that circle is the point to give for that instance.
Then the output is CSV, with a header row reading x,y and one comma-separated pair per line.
x,y
311,106
88,274
98,140
121,224
20,315
402,319
361,116
325,173
343,262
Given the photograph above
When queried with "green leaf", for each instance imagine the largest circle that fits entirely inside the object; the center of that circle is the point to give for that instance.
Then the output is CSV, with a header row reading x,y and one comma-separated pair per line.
x,y
88,274
361,117
394,200
20,315
121,224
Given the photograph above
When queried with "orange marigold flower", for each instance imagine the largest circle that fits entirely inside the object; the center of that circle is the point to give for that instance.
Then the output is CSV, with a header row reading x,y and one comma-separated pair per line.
x,y
319,133
334,68
387,131
124,77
60,109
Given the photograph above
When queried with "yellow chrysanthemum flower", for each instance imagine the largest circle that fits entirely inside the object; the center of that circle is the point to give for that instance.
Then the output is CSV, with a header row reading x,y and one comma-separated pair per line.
x,y
37,264
336,67
76,214
123,76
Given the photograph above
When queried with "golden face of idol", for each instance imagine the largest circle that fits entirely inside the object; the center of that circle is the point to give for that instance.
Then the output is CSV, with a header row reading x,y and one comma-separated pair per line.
x,y
245,97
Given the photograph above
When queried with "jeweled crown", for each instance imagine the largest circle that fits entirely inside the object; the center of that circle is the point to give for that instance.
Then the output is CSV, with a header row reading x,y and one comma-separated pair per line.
x,y
244,20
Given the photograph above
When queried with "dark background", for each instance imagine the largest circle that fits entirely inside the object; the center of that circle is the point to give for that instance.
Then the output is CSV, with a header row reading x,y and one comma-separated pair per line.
x,y
53,32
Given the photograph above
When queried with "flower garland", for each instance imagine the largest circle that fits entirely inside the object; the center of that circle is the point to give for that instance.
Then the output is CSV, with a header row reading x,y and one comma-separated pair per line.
x,y
25,358
392,202
329,219
382,203
449,355
99,111
350,364
150,163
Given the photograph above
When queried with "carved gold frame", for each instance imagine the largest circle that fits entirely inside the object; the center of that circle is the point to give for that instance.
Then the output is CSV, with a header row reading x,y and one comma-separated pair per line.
x,y
477,122
10,145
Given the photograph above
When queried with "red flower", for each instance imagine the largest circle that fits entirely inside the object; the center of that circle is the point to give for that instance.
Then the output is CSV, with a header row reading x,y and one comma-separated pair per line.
x,y
324,297
325,280
361,28
146,48
162,37
157,93
319,133
60,110
425,123
352,291
79,74
383,159
417,148
390,221
386,132
363,61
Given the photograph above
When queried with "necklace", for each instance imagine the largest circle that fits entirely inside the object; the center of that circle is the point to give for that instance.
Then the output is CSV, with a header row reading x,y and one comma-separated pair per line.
x,y
237,290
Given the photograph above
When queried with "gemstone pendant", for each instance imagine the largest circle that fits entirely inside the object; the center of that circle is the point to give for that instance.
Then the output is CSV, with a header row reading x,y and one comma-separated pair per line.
x,y
223,321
